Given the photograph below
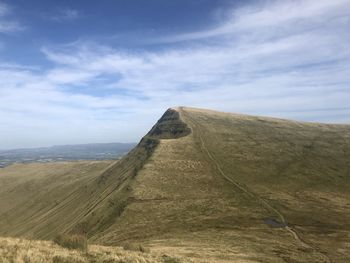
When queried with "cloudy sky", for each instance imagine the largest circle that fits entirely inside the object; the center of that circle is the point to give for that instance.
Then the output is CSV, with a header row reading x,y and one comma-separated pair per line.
x,y
104,71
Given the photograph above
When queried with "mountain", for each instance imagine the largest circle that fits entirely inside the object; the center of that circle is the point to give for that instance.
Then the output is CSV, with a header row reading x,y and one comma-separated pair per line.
x,y
93,151
209,185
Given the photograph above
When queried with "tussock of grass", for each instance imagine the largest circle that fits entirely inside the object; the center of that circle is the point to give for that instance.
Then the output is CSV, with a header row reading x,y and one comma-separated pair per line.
x,y
136,247
72,241
168,259
62,259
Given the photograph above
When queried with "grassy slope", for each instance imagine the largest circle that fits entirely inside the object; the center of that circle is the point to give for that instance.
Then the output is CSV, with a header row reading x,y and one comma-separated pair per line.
x,y
300,169
178,197
36,198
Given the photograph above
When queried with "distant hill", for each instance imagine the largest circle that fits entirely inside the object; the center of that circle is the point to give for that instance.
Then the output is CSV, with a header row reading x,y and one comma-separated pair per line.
x,y
213,186
94,151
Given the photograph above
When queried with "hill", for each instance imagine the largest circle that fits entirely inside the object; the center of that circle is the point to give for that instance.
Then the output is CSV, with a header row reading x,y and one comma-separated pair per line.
x,y
210,185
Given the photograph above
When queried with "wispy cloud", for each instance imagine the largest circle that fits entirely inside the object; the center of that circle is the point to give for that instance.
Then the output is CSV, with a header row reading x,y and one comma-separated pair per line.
x,y
264,59
7,22
66,14
288,17
4,9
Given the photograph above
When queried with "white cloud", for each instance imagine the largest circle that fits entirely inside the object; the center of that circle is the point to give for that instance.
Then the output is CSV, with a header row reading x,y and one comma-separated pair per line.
x,y
273,60
284,17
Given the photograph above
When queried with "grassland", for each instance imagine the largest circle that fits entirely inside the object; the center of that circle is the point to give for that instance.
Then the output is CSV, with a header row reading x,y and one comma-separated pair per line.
x,y
25,251
205,185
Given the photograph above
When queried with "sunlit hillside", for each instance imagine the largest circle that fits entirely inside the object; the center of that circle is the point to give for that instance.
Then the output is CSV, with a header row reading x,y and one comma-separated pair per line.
x,y
203,184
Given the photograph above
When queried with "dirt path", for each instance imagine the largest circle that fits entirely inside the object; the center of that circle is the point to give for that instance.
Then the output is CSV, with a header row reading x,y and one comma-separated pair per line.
x,y
263,202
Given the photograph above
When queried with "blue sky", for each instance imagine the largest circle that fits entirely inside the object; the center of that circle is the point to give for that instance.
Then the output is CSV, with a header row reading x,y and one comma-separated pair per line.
x,y
104,71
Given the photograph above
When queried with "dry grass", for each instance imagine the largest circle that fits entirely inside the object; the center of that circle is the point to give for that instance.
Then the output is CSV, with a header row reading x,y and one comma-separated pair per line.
x,y
136,247
14,250
72,241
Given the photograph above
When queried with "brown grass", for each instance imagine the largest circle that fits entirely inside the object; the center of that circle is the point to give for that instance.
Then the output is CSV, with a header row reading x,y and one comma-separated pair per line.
x,y
136,247
72,241
14,250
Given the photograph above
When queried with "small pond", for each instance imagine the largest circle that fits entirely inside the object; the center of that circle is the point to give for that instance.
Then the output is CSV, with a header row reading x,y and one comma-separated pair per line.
x,y
274,223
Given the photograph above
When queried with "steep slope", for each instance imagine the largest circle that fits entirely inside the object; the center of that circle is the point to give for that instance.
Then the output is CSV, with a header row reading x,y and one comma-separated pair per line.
x,y
210,185
272,188
42,200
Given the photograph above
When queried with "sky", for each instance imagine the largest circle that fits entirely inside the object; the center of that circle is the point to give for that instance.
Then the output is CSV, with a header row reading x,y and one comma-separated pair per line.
x,y
104,71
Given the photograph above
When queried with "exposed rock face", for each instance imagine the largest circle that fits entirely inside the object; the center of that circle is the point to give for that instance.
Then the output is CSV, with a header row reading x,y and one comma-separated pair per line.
x,y
169,126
